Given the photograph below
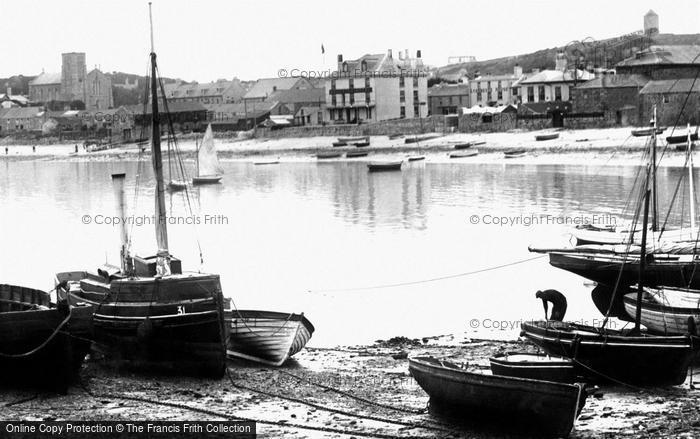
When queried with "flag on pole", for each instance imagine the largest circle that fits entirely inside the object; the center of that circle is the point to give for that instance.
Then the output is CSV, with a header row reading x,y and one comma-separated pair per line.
x,y
323,49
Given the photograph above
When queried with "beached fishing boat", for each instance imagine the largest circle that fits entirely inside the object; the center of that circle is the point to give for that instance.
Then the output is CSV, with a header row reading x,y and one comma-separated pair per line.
x,y
549,136
393,165
147,312
42,344
515,153
682,138
541,407
416,158
353,139
646,132
666,310
362,144
356,154
266,337
337,144
465,145
328,155
266,162
395,136
463,154
208,169
533,366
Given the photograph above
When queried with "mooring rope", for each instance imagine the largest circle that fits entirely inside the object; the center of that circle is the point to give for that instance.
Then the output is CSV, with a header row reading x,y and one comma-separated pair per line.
x,y
424,281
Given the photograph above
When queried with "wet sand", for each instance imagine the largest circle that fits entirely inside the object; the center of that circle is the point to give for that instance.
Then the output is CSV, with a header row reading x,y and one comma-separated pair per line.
x,y
359,391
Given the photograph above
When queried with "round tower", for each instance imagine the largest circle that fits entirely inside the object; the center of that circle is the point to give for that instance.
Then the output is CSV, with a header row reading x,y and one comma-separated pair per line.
x,y
651,23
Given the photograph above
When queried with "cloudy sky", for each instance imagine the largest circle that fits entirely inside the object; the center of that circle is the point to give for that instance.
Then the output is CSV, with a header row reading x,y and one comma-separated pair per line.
x,y
206,40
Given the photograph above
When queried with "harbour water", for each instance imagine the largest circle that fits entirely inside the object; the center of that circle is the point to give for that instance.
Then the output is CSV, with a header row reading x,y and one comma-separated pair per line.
x,y
317,237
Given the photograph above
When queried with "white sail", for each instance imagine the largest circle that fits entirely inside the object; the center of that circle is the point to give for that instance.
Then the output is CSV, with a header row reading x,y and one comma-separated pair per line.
x,y
207,161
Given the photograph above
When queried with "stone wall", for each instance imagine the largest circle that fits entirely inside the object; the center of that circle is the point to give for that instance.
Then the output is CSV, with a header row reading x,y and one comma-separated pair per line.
x,y
384,128
668,108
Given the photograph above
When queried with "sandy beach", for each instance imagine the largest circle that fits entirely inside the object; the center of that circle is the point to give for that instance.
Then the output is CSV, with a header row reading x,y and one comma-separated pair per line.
x,y
356,391
610,146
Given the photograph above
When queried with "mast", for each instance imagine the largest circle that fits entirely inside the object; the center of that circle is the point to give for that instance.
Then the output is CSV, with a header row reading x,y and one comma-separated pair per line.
x,y
196,157
654,211
691,184
163,256
120,200
642,261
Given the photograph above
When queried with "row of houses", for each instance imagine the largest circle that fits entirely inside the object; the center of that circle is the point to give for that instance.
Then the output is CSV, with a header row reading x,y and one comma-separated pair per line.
x,y
661,76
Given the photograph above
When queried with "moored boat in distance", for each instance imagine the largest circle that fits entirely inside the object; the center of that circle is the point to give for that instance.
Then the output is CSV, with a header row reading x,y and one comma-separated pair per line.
x,y
416,158
353,139
328,155
356,154
42,344
337,144
645,132
392,165
515,153
548,136
533,366
463,154
540,407
266,162
177,185
682,138
464,145
266,337
362,144
208,169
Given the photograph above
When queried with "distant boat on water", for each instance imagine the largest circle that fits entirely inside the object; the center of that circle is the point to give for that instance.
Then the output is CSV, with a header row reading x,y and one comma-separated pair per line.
x,y
645,132
464,154
356,154
515,153
416,158
549,136
394,165
208,168
266,162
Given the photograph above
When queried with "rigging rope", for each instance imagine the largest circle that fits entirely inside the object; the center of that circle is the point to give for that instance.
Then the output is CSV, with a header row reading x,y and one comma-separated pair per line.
x,y
423,281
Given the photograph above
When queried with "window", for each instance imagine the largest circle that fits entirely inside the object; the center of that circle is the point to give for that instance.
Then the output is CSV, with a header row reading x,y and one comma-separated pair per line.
x,y
540,92
332,84
415,81
514,91
489,96
351,83
367,84
363,66
401,81
345,67
500,94
415,96
478,94
415,111
531,94
402,96
667,99
557,93
403,112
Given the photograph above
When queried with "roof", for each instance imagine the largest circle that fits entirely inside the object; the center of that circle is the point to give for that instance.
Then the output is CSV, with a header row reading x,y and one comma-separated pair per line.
x,y
266,86
664,55
509,77
683,85
299,96
448,90
179,90
21,112
480,110
375,63
46,79
17,98
615,81
557,76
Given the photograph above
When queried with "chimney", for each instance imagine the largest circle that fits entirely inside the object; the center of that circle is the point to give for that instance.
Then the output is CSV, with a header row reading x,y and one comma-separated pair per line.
x,y
418,54
9,90
517,71
340,62
405,54
388,53
340,57
560,62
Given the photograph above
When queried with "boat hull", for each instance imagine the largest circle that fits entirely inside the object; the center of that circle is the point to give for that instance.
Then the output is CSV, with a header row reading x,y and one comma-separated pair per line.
x,y
642,360
41,347
266,337
533,366
207,179
381,167
174,323
660,318
543,407
673,271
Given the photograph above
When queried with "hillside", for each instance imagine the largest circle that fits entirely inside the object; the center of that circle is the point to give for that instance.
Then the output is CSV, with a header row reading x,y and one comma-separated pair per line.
x,y
544,59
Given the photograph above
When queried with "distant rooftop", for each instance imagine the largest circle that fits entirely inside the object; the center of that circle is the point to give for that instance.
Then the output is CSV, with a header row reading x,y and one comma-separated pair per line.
x,y
660,55
46,79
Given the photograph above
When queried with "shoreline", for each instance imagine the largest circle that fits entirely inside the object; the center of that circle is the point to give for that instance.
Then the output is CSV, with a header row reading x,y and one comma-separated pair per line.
x,y
609,147
336,393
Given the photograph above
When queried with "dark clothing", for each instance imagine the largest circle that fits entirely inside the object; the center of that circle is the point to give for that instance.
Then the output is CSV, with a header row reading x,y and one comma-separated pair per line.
x,y
558,301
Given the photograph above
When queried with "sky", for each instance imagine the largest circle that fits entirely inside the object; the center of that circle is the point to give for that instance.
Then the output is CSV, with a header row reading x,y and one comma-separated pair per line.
x,y
208,40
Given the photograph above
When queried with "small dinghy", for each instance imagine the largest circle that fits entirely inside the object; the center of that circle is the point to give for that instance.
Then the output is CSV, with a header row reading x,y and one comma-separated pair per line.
x,y
362,144
533,366
337,144
42,344
207,179
177,185
683,138
328,155
549,136
385,166
208,169
465,145
464,154
354,139
266,337
645,132
266,162
415,158
355,154
515,153
542,407
395,136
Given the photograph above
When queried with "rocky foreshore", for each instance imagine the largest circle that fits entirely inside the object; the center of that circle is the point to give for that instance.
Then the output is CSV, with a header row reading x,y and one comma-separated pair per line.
x,y
359,391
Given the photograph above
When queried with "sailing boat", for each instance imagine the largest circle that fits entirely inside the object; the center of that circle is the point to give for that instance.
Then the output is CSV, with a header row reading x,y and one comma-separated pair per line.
x,y
148,312
208,168
633,357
